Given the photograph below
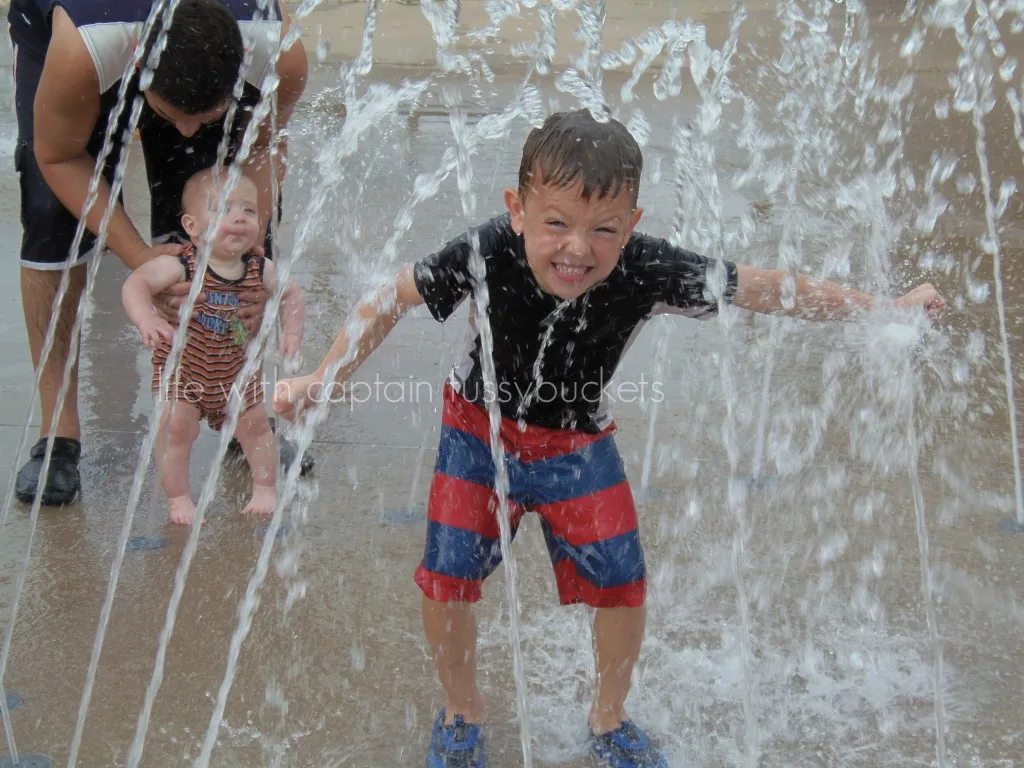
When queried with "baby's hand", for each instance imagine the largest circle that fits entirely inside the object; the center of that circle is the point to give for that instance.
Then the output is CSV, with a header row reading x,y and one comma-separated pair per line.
x,y
924,296
155,329
292,396
288,348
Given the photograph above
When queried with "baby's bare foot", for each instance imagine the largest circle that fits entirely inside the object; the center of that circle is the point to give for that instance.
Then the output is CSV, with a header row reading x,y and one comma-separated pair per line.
x,y
181,510
264,499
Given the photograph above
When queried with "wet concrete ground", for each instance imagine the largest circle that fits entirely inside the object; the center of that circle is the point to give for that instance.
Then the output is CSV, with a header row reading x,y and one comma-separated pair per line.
x,y
835,665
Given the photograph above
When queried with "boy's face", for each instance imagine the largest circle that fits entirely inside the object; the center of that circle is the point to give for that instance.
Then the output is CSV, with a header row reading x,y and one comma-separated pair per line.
x,y
572,244
239,228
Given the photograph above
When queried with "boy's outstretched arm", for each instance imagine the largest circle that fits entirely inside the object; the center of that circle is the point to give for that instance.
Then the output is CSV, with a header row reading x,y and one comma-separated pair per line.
x,y
366,327
138,291
760,290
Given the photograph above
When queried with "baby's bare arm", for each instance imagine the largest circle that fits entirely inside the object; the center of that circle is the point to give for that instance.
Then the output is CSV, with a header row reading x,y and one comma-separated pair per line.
x,y
292,311
145,282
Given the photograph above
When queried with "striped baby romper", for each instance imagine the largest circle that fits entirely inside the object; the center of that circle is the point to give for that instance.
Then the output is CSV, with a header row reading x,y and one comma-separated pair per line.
x,y
214,352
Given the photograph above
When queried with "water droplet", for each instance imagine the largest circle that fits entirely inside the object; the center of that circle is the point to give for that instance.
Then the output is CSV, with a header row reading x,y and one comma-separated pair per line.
x,y
358,657
863,510
965,183
975,346
978,291
788,297
913,44
640,128
949,13
693,510
1007,68
1006,190
834,547
942,109
926,219
323,50
966,97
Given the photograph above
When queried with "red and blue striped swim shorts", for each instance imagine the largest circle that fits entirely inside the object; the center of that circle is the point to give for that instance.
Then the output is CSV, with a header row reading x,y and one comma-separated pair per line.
x,y
574,481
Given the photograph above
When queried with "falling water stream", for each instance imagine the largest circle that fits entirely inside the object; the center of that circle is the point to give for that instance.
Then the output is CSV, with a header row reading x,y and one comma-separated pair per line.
x,y
108,144
794,154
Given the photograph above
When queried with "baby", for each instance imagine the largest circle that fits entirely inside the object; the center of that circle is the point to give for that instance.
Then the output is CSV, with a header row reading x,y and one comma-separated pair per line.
x,y
215,346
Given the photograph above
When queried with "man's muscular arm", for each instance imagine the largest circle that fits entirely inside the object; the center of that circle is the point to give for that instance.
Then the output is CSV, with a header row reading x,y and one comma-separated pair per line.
x,y
67,106
292,70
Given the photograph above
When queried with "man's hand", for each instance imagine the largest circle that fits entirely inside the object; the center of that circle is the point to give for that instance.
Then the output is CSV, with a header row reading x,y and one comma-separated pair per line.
x,y
924,296
250,309
252,303
168,303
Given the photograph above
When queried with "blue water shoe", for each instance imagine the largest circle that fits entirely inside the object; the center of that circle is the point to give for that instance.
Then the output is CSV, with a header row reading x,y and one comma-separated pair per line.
x,y
460,745
627,747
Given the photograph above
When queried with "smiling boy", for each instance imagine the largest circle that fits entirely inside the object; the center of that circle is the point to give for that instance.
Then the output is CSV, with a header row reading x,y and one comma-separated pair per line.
x,y
570,284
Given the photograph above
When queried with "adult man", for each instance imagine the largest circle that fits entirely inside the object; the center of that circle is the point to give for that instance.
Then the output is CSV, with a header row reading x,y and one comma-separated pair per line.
x,y
70,58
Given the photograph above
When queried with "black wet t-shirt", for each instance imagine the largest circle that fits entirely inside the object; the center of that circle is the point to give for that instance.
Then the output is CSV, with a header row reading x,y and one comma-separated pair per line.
x,y
553,358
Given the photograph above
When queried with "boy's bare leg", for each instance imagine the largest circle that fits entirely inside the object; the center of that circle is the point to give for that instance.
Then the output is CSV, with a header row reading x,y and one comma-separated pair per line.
x,y
260,447
38,290
179,429
451,632
618,634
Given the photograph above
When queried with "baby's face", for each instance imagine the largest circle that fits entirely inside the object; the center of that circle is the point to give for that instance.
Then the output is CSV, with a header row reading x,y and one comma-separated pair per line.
x,y
239,228
571,244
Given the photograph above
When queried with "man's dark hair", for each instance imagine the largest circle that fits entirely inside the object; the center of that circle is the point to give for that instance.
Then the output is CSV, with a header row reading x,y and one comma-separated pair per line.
x,y
573,147
201,56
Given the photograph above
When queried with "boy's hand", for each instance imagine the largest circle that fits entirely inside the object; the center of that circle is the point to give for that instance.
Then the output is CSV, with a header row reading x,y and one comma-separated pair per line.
x,y
288,348
154,330
292,396
924,296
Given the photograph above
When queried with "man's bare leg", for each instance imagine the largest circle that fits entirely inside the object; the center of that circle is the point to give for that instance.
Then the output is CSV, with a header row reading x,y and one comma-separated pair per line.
x,y
38,290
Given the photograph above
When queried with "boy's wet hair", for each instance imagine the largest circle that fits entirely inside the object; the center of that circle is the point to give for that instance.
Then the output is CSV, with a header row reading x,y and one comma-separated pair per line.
x,y
573,147
201,58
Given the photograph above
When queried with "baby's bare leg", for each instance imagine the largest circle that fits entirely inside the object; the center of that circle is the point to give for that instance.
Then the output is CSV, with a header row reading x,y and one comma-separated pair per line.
x,y
179,428
260,446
